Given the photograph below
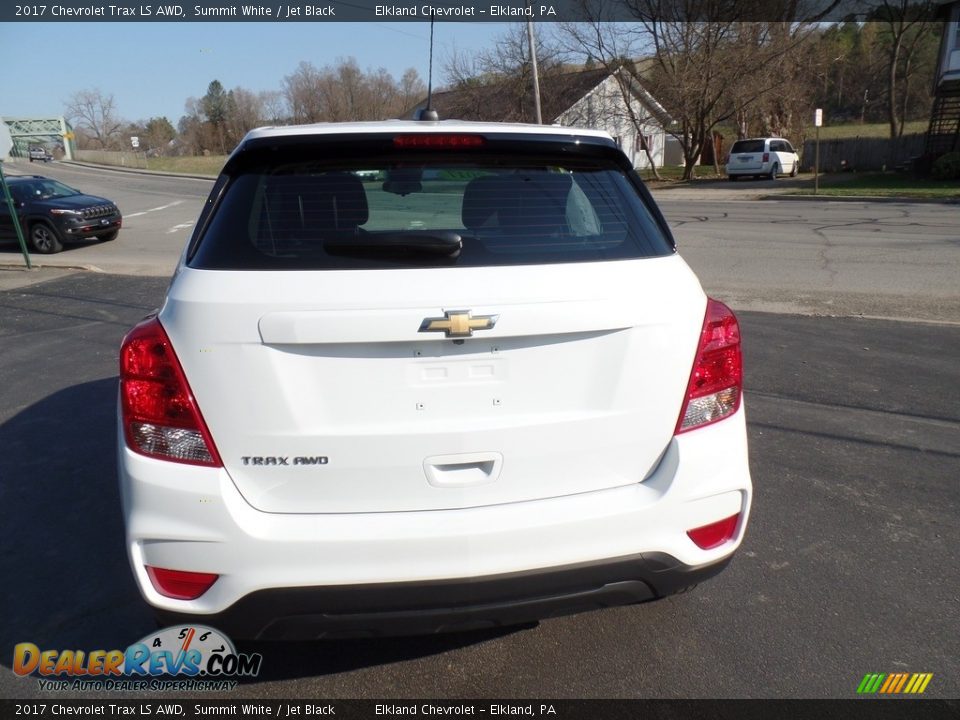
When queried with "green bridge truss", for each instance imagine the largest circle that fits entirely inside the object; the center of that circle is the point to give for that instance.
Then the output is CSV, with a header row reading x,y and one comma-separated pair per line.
x,y
52,133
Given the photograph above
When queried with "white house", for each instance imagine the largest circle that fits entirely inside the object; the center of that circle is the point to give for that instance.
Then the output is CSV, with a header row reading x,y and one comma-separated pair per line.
x,y
595,98
944,133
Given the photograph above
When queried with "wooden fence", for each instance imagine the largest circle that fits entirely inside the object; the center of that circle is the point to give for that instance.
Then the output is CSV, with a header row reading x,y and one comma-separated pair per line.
x,y
123,158
864,153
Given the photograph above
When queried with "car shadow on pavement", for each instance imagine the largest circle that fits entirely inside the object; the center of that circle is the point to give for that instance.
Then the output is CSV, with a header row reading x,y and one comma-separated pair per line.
x,y
66,572
68,581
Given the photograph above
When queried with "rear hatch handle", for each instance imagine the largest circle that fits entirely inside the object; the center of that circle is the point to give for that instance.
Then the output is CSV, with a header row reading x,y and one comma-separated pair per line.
x,y
463,469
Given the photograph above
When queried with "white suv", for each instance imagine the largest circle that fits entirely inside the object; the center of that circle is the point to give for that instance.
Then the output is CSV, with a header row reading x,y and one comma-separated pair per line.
x,y
762,157
485,390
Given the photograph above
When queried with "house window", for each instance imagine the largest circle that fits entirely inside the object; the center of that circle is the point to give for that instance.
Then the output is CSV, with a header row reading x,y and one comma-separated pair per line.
x,y
644,142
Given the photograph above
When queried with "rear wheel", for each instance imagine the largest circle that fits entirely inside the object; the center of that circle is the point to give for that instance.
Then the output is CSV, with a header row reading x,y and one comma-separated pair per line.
x,y
44,239
733,178
774,171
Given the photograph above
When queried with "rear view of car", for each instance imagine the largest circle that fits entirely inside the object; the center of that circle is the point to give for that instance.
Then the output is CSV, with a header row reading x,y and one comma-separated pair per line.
x,y
762,157
483,390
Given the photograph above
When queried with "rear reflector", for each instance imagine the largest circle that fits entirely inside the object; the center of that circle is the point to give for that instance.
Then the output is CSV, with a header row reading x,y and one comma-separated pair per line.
x,y
714,534
159,414
714,388
432,141
179,584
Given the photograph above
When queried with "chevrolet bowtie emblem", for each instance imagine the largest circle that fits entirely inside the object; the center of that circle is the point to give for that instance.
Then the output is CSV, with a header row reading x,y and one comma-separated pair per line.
x,y
458,323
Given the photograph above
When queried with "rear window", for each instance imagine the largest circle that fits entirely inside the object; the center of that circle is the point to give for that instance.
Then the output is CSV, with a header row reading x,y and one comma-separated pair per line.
x,y
427,210
747,146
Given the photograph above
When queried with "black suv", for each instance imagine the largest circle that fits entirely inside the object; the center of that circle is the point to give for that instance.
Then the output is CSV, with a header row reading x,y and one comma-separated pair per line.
x,y
52,213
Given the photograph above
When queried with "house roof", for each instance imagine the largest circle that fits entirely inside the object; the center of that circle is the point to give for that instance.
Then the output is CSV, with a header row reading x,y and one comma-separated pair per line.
x,y
512,101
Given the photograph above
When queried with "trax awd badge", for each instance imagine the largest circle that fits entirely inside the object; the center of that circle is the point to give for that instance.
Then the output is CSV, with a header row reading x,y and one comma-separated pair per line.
x,y
275,460
458,323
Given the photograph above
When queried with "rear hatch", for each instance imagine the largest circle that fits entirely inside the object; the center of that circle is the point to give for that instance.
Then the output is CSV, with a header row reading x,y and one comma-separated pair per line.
x,y
746,155
381,366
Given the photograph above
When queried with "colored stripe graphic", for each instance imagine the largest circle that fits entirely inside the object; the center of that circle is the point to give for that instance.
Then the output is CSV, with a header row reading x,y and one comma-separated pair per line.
x,y
894,683
903,680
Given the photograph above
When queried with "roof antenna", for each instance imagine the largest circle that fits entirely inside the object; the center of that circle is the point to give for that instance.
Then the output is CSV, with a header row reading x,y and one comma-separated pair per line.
x,y
428,113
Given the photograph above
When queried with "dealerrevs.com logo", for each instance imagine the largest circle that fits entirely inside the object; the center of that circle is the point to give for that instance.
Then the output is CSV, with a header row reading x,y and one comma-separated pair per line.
x,y
182,658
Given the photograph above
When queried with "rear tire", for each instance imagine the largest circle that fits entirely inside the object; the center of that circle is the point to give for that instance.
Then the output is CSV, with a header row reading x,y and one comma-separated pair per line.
x,y
733,178
44,239
773,172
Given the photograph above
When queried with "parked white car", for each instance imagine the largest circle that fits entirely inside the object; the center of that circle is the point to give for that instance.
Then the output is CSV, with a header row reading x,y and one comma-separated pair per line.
x,y
762,157
483,391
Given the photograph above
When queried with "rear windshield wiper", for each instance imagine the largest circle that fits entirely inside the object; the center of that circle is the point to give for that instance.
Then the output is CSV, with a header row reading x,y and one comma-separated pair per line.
x,y
416,242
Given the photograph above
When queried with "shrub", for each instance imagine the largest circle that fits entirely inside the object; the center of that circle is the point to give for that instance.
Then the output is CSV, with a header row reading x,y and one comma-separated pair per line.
x,y
947,167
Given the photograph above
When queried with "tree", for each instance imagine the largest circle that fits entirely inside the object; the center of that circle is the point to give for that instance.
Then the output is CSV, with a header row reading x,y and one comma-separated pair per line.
x,y
302,90
158,132
195,132
95,114
905,34
703,72
215,106
344,92
245,112
507,65
274,106
611,48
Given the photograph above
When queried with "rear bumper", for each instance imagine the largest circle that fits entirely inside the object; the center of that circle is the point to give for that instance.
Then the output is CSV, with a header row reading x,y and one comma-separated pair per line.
x,y
296,575
421,608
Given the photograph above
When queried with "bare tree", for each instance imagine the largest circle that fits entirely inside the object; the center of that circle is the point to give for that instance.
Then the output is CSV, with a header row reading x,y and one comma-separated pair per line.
x,y
611,47
195,133
302,89
244,112
96,114
506,64
344,92
274,106
906,30
704,65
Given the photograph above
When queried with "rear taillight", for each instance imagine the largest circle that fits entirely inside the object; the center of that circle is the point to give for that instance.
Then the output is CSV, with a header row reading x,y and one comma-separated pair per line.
x,y
180,584
159,414
713,391
715,534
766,157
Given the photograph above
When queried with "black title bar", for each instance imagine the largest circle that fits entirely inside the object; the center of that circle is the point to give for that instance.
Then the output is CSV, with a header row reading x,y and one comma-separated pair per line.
x,y
442,11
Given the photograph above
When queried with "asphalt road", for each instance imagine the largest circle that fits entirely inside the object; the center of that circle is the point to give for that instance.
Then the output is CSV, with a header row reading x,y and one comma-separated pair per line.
x,y
849,565
887,260
158,214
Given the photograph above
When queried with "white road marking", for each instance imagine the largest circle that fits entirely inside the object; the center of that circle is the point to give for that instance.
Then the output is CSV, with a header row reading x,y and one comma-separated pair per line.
x,y
181,226
162,207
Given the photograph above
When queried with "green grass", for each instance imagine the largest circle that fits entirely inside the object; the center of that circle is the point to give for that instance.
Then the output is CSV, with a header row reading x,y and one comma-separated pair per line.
x,y
210,165
884,185
674,173
871,130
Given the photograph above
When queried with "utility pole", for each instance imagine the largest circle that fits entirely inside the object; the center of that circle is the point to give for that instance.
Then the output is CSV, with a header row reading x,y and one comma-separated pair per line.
x,y
533,66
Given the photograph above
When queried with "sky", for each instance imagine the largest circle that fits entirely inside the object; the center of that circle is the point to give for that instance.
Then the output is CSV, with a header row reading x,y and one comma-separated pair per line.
x,y
151,68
